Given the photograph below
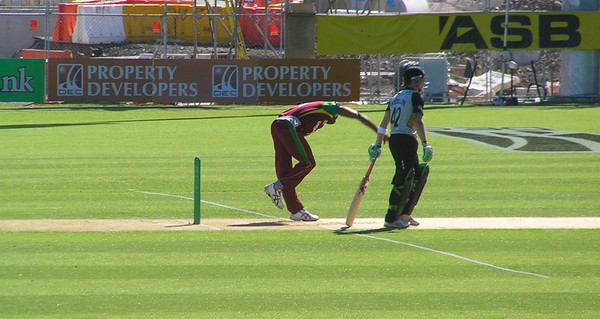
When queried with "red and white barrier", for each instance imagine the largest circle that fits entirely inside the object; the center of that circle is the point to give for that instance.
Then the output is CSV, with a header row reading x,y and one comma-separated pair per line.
x,y
99,24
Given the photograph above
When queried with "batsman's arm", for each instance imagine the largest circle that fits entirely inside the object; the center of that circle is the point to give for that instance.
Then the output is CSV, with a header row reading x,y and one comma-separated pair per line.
x,y
420,127
382,135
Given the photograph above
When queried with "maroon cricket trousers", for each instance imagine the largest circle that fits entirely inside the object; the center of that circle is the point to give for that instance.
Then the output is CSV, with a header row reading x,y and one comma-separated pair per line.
x,y
289,144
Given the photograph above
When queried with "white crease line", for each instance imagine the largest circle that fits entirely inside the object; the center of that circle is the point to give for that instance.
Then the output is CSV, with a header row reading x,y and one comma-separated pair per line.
x,y
210,227
362,235
240,209
204,201
447,254
161,194
457,256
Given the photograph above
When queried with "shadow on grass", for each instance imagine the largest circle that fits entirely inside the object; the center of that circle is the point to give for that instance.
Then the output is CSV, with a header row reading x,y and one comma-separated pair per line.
x,y
180,225
262,224
120,108
346,231
47,125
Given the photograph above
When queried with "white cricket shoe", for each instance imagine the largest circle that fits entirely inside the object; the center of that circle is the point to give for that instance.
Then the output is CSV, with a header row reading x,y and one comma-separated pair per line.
x,y
400,223
275,195
413,222
304,215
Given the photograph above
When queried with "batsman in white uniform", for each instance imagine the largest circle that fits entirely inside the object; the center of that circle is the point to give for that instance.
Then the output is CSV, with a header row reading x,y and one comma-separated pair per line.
x,y
404,116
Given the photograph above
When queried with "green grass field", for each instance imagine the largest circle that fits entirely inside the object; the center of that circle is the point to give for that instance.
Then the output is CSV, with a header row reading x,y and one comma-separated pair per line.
x,y
313,274
84,162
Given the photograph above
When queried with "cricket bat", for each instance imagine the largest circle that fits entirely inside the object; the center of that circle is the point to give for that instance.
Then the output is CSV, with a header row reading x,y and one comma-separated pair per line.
x,y
360,193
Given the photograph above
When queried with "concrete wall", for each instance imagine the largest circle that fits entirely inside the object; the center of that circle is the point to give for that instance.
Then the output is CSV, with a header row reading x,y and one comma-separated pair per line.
x,y
31,3
15,28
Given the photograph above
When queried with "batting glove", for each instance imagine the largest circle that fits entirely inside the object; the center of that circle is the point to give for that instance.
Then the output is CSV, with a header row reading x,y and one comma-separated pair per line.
x,y
374,151
427,152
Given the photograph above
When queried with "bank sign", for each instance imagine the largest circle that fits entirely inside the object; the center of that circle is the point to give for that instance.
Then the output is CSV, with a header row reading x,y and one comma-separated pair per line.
x,y
22,80
189,81
414,33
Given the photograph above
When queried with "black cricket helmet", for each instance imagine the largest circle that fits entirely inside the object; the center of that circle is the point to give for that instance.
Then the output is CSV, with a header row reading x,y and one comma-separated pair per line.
x,y
413,74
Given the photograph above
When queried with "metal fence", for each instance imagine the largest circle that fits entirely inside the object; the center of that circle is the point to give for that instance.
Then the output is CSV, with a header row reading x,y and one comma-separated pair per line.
x,y
231,30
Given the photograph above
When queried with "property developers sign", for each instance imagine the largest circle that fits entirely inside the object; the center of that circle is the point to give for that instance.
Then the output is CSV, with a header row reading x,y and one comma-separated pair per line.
x,y
219,81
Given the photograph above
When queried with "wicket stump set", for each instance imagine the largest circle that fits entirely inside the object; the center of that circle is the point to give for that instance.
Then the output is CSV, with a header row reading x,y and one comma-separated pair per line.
x,y
197,200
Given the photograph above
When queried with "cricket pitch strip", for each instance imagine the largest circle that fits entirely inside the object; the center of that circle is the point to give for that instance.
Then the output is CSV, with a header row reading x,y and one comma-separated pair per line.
x,y
272,224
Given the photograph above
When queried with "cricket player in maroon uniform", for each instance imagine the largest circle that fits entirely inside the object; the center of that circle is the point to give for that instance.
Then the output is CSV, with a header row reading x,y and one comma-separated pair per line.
x,y
289,133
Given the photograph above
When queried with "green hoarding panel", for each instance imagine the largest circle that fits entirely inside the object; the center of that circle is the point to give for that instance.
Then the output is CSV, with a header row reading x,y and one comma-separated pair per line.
x,y
22,80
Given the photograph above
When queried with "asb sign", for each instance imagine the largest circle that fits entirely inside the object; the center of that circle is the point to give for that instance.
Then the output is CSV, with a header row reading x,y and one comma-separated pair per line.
x,y
417,33
220,81
549,31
